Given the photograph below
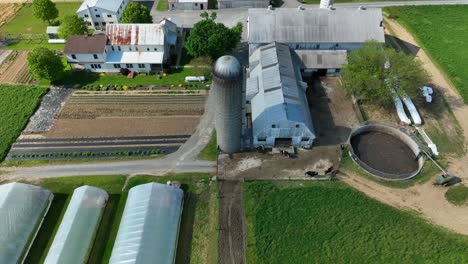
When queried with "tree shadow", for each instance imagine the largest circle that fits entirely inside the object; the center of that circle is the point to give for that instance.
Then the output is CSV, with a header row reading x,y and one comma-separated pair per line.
x,y
401,45
184,244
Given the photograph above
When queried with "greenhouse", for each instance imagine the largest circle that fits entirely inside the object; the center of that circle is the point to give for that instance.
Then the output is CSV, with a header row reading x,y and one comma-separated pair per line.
x,y
149,227
22,210
74,238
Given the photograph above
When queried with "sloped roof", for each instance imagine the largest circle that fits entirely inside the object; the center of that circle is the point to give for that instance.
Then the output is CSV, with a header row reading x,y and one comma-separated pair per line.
x,y
84,44
291,25
150,224
76,232
111,5
139,34
22,207
275,89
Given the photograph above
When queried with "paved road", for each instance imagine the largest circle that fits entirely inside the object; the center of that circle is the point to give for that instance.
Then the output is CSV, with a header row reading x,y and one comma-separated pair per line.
x,y
183,160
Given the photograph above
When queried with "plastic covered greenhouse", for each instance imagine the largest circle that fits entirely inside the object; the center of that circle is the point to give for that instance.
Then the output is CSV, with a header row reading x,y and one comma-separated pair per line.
x,y
22,209
74,238
149,227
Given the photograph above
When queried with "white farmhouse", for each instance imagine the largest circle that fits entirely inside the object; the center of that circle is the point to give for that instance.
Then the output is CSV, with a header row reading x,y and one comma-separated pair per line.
x,y
276,96
98,13
137,47
188,4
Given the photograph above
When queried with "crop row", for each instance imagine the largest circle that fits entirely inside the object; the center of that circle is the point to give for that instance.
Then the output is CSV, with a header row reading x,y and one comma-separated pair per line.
x,y
86,154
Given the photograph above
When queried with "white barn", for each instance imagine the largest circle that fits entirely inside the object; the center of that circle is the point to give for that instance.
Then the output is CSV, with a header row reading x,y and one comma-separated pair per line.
x,y
188,4
98,13
276,95
137,47
315,32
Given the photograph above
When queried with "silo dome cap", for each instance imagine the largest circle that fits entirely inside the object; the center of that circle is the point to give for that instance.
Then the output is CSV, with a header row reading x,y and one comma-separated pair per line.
x,y
227,67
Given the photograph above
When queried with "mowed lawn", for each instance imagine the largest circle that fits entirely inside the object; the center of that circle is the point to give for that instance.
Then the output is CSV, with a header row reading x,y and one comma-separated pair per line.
x,y
25,23
198,235
443,33
17,104
329,222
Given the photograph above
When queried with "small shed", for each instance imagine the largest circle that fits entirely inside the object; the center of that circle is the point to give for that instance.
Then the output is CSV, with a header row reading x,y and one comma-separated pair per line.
x,y
52,32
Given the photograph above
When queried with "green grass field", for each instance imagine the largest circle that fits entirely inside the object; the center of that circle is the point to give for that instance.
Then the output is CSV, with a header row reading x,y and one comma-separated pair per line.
x,y
17,104
441,31
457,195
198,236
163,5
210,152
25,23
329,222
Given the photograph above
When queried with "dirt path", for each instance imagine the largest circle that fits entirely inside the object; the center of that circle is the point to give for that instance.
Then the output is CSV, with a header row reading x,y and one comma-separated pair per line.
x,y
460,110
231,222
426,199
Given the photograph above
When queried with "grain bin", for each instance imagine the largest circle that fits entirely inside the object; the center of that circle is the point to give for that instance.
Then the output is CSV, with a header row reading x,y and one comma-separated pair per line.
x,y
227,90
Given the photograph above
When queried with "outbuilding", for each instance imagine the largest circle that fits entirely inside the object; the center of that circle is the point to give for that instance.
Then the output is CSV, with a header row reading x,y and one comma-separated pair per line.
x,y
188,4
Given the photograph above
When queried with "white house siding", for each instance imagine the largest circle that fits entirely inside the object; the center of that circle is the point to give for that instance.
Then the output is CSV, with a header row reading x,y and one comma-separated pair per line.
x,y
108,67
97,18
86,58
188,6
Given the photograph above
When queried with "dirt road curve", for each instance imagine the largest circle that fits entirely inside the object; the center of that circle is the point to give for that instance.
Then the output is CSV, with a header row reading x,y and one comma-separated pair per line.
x,y
460,110
426,199
231,234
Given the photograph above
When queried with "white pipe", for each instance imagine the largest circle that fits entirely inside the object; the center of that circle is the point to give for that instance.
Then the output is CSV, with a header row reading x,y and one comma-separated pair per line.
x,y
412,109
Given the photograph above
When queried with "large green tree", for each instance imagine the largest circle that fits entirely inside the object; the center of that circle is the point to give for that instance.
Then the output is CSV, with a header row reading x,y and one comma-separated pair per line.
x,y
373,69
45,64
44,10
72,25
136,13
208,38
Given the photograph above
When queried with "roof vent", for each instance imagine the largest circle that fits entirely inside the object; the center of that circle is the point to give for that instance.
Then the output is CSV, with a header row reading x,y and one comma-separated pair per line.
x,y
270,7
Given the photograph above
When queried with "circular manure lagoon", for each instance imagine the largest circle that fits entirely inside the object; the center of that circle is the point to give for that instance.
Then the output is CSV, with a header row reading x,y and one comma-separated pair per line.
x,y
385,152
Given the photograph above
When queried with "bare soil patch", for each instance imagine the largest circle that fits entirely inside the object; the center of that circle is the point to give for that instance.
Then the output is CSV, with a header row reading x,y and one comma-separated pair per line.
x,y
14,71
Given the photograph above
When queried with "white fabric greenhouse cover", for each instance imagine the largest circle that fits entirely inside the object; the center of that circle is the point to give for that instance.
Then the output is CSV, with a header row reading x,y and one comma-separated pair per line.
x,y
22,209
76,233
149,227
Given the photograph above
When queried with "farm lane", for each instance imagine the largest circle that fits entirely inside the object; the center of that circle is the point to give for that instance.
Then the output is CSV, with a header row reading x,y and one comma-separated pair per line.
x,y
183,160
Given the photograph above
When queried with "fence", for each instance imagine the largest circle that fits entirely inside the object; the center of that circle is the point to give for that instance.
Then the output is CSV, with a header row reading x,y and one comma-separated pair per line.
x,y
31,37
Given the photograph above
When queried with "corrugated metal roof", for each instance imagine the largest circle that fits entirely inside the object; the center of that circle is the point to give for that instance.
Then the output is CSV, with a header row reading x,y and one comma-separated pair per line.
x,y
322,59
277,93
85,44
135,34
290,25
111,5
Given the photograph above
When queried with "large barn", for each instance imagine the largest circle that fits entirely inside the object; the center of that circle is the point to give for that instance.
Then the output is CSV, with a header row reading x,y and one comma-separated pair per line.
x,y
276,94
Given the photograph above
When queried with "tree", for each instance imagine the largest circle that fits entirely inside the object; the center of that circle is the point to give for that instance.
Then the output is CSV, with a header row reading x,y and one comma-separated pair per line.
x,y
208,38
44,10
72,25
136,13
45,64
367,77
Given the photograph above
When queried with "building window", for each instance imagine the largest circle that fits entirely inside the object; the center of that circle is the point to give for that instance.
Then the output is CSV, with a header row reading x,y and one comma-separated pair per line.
x,y
92,66
99,66
95,10
273,126
73,56
118,47
86,15
96,24
129,66
98,15
136,48
147,49
112,48
117,66
305,139
155,49
105,51
141,66
261,139
196,4
172,5
95,56
111,22
297,125
109,15
118,12
88,23
104,23
130,48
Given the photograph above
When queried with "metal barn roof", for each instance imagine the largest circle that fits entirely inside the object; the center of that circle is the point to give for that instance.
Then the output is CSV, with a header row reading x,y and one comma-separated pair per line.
x,y
22,208
110,5
291,25
84,44
76,232
149,227
277,94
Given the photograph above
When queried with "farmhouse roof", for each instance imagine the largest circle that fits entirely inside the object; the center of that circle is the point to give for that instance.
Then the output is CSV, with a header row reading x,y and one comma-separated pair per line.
x,y
84,44
110,5
140,34
291,25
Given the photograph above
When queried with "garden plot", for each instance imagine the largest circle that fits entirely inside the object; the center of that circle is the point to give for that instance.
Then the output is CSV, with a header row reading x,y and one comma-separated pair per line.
x,y
14,68
8,12
111,124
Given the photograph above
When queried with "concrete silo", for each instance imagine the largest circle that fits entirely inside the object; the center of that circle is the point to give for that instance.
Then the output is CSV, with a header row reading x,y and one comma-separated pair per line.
x,y
227,90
